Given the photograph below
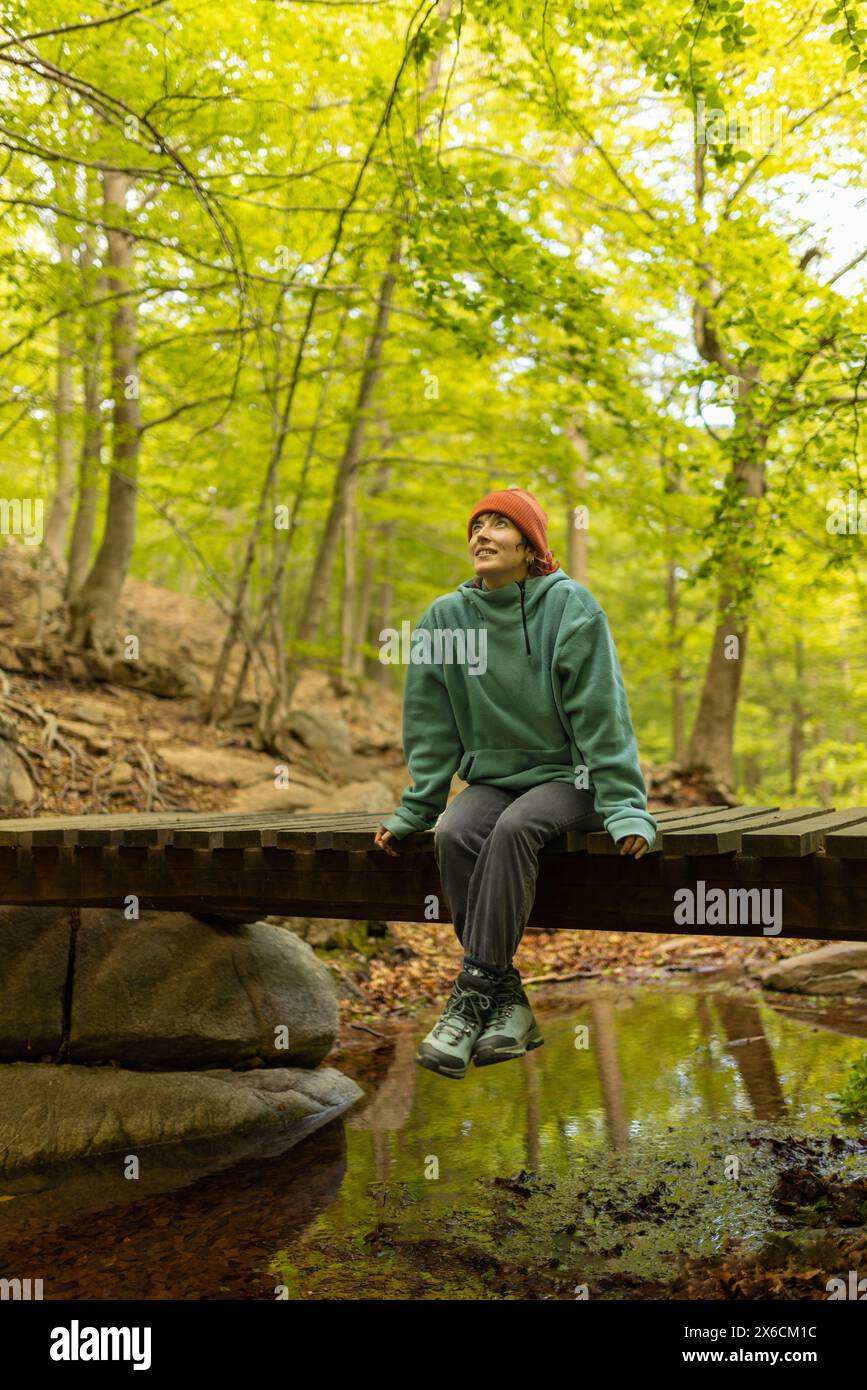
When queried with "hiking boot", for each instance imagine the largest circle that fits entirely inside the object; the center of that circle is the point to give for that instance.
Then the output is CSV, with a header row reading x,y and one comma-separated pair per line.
x,y
511,1029
448,1046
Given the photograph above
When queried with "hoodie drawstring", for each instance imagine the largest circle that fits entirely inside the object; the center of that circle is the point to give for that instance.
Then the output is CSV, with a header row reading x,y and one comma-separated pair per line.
x,y
523,617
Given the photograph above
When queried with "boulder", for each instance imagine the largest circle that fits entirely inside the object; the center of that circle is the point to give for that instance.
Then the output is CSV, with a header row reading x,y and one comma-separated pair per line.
x,y
324,733
169,990
15,783
98,712
374,796
217,767
839,968
265,796
34,955
339,934
50,1114
379,740
81,729
9,659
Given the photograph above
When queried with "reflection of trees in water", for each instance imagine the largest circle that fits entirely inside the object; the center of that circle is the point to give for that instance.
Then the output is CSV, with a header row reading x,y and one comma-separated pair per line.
x,y
704,1077
388,1111
532,1091
604,1043
741,1018
407,1120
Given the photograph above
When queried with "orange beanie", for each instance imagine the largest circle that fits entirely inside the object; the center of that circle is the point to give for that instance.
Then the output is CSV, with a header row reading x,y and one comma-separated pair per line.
x,y
522,508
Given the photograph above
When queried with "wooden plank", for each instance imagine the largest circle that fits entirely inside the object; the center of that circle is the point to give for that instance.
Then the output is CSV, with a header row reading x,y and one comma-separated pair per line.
x,y
247,831
60,830
800,838
724,837
349,830
575,841
850,843
187,829
349,837
822,897
600,842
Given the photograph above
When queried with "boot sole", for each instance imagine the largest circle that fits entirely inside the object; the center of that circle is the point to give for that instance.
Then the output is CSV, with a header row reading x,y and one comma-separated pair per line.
x,y
431,1065
505,1054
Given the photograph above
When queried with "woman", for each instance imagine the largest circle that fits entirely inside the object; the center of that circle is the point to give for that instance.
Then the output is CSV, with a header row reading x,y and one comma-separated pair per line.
x,y
541,731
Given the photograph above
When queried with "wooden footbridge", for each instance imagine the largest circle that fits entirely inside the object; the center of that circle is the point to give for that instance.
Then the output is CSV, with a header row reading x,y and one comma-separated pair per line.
x,y
327,866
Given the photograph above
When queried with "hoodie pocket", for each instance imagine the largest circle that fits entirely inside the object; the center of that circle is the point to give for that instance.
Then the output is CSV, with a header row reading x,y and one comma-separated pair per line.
x,y
494,764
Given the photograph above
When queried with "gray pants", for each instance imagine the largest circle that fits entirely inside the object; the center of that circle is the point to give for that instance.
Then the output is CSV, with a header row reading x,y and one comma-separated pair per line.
x,y
487,844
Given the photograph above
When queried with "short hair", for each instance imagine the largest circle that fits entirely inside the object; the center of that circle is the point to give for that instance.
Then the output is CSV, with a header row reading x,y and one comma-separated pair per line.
x,y
533,569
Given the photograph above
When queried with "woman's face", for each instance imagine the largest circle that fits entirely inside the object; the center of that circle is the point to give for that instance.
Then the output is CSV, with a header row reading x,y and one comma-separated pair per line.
x,y
497,547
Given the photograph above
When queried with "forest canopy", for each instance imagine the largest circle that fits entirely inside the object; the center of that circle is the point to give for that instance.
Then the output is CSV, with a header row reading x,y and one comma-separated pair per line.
x,y
287,286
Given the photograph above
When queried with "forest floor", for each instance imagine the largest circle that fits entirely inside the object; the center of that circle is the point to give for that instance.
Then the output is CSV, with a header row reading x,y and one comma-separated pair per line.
x,y
101,746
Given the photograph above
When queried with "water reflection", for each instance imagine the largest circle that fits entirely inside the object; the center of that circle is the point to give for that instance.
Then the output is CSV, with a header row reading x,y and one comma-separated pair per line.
x,y
664,1069
657,1059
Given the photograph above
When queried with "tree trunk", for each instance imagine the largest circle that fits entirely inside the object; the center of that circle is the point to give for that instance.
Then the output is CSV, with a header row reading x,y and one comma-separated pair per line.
x,y
362,622
91,450
711,744
678,695
321,569
349,584
57,523
577,558
377,548
796,726
93,610
671,485
383,671
379,611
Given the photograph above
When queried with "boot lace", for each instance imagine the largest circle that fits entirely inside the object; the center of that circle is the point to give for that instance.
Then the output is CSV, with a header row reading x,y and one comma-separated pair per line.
x,y
465,1008
509,994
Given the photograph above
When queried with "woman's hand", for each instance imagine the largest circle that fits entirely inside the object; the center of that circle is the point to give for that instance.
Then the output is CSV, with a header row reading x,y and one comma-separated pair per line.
x,y
634,844
381,840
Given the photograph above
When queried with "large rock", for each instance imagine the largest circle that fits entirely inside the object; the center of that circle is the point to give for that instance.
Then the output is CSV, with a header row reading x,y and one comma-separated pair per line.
x,y
217,767
50,1114
15,784
321,732
265,796
374,796
34,955
172,991
840,968
99,712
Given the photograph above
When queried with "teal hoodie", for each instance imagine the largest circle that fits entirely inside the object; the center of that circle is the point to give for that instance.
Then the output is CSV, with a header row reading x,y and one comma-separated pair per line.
x,y
538,694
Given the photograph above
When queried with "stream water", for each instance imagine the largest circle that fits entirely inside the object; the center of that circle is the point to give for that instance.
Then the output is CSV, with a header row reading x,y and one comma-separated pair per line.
x,y
653,1126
